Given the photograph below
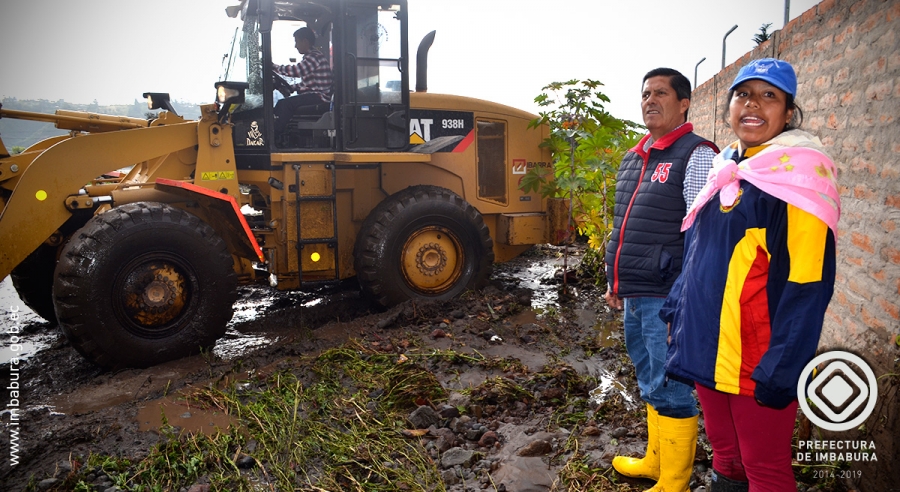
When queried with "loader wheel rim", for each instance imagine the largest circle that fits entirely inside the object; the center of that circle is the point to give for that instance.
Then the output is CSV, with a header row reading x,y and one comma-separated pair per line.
x,y
432,260
152,295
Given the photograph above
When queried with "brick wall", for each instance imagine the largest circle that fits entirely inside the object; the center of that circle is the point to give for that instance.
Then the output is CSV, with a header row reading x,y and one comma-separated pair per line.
x,y
847,57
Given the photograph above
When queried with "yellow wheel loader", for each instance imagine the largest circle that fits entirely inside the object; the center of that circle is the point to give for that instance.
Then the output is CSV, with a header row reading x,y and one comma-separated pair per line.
x,y
133,234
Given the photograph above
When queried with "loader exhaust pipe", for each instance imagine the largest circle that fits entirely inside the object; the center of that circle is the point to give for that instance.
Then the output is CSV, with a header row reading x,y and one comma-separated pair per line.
x,y
422,62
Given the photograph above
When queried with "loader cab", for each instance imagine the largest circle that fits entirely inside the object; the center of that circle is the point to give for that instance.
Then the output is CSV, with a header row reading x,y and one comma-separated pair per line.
x,y
366,44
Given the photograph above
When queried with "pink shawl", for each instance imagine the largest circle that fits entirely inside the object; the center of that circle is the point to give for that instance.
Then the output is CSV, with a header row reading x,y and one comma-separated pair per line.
x,y
792,168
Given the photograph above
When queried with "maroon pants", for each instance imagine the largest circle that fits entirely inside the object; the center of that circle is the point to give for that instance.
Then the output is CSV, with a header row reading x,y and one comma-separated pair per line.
x,y
750,442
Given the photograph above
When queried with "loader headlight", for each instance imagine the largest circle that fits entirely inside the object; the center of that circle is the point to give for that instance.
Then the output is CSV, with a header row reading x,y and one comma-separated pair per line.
x,y
228,93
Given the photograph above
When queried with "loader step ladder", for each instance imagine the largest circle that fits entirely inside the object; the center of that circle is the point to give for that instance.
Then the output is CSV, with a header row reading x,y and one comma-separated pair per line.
x,y
315,189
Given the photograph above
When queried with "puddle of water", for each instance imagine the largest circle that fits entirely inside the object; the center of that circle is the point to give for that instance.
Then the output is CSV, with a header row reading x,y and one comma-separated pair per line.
x,y
126,386
234,344
609,387
525,317
609,333
181,414
15,316
525,473
24,348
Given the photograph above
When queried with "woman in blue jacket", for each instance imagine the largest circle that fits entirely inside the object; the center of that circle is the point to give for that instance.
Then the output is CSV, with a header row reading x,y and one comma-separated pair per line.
x,y
746,313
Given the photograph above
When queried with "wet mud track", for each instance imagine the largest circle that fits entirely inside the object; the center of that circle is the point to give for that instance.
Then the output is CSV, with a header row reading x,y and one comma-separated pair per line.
x,y
68,407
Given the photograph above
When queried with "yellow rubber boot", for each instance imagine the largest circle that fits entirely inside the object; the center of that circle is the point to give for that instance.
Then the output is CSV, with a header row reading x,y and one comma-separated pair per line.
x,y
677,443
648,466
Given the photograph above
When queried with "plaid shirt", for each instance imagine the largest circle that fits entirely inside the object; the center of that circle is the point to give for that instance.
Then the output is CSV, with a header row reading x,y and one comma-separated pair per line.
x,y
314,70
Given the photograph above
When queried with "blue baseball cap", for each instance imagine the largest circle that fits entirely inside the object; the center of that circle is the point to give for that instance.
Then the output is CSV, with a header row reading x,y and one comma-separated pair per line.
x,y
776,72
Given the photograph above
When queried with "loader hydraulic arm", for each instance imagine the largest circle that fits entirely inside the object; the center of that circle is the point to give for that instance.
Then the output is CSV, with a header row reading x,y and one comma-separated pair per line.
x,y
78,120
37,207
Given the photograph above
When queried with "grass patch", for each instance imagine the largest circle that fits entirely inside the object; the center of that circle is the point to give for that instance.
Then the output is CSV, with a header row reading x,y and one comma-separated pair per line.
x,y
331,423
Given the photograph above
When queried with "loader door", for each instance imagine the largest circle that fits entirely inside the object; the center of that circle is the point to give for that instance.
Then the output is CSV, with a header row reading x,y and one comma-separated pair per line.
x,y
375,113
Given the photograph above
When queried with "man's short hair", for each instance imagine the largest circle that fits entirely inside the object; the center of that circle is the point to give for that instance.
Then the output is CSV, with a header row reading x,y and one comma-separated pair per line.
x,y
680,84
308,34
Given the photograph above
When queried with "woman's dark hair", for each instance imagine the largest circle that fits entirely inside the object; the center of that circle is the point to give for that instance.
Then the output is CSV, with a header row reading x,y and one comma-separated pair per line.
x,y
796,117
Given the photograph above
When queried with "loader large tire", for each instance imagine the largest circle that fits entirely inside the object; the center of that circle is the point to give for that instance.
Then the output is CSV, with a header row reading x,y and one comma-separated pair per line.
x,y
33,281
423,242
143,284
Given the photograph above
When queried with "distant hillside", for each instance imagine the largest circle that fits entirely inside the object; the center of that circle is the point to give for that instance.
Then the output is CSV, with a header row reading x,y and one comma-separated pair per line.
x,y
22,133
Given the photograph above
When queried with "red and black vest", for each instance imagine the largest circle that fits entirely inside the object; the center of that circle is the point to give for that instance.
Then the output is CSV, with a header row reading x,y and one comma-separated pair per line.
x,y
646,248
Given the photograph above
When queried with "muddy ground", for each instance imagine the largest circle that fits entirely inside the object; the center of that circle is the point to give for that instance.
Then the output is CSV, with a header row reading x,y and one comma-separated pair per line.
x,y
70,408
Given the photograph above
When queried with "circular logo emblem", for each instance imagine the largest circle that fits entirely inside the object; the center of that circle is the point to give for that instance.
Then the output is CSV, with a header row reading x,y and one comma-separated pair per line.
x,y
840,398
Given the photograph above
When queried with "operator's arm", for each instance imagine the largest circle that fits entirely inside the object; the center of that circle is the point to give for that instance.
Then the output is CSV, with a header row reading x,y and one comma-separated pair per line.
x,y
301,69
695,173
797,322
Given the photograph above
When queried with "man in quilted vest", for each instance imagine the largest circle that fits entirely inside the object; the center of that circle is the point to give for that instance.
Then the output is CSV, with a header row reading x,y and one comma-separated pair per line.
x,y
656,183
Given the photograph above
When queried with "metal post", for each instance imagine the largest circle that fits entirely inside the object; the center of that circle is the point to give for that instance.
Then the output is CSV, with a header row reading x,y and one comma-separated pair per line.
x,y
787,11
723,43
695,71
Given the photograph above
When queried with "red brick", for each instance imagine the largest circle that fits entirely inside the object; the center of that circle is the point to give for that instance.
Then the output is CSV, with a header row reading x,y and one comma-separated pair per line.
x,y
890,174
825,6
879,90
827,141
841,298
869,320
870,22
862,120
785,43
836,123
824,44
849,144
828,101
854,261
869,143
887,42
823,82
893,12
879,275
876,67
892,254
848,98
833,21
886,119
842,75
846,34
863,192
815,123
855,53
889,225
854,286
808,16
857,6
894,60
862,242
891,308
892,201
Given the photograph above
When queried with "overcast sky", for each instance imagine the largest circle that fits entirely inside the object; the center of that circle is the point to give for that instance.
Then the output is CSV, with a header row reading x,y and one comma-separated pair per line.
x,y
500,50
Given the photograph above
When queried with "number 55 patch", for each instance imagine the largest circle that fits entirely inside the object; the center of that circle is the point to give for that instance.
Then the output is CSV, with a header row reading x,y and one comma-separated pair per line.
x,y
662,172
